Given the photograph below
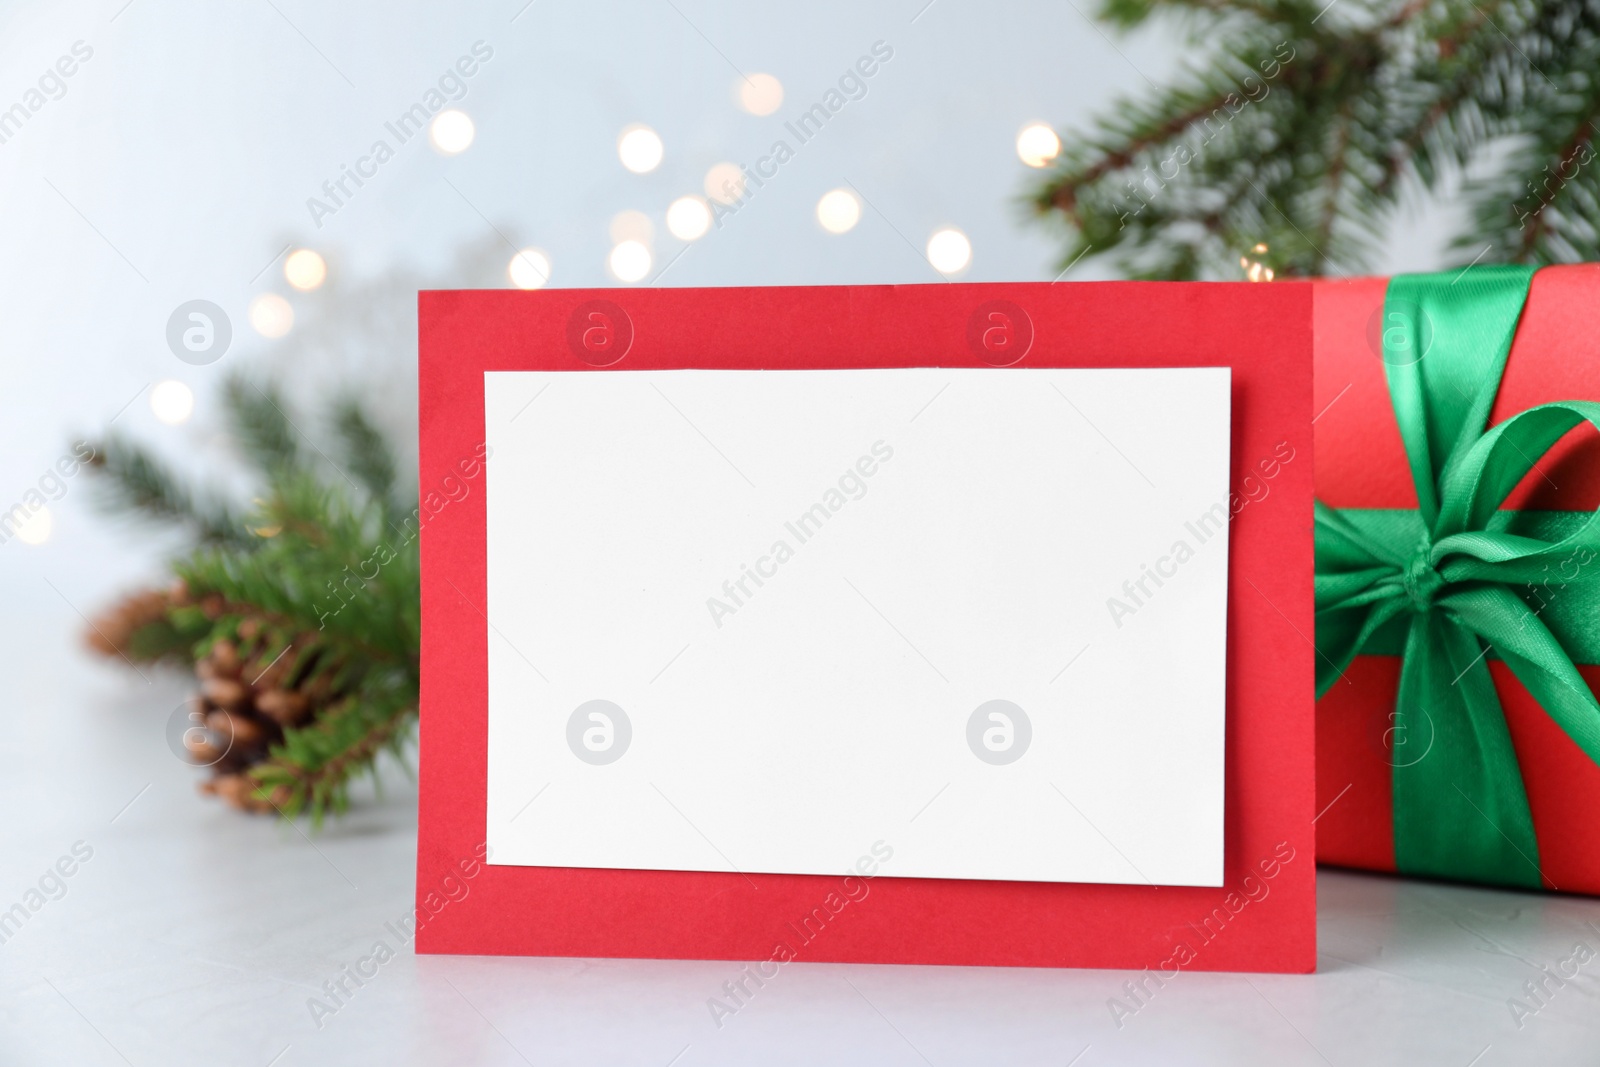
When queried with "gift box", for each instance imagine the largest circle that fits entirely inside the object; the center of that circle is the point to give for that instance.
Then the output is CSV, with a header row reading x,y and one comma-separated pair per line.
x,y
1458,575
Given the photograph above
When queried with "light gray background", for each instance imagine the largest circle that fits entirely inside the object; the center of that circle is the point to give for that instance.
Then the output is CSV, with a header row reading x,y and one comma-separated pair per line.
x,y
177,166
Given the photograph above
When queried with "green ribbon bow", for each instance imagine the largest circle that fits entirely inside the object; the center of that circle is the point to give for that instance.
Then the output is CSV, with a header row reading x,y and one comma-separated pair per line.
x,y
1458,581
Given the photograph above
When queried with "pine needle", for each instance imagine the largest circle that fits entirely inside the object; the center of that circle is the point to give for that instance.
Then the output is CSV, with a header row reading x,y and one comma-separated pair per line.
x,y
1291,145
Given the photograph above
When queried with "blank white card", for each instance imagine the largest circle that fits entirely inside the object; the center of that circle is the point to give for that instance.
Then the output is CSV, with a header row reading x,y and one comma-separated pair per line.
x,y
760,621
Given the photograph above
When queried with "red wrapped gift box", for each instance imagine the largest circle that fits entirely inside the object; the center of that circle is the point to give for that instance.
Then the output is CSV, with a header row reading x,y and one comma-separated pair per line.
x,y
1361,463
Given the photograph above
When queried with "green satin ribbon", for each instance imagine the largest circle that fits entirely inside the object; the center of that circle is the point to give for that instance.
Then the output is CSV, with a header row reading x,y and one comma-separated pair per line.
x,y
1459,581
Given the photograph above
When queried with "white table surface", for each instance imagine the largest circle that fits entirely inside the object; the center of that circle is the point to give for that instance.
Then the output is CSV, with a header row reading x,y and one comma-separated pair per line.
x,y
196,936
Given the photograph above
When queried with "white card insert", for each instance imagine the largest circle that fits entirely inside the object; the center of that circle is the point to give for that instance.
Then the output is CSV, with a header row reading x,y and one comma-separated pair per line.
x,y
756,621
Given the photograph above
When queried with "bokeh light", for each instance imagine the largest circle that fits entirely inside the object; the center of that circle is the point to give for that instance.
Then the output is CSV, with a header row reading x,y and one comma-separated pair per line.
x,y
452,131
1038,145
529,269
838,211
629,261
725,183
305,269
35,528
631,225
640,149
172,401
949,251
759,94
271,315
688,218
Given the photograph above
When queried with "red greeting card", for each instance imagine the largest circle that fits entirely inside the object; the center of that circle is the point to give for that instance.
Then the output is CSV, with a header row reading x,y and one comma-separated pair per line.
x,y
963,624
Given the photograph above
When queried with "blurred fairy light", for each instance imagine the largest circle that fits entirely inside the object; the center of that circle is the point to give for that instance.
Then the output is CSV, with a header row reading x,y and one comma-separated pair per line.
x,y
529,269
1254,269
838,211
452,131
305,269
629,261
949,251
271,315
631,225
725,183
688,218
172,402
269,529
1038,145
640,149
35,529
759,94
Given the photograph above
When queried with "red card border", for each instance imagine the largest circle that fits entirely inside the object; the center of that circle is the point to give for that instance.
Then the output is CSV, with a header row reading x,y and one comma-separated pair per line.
x,y
1261,919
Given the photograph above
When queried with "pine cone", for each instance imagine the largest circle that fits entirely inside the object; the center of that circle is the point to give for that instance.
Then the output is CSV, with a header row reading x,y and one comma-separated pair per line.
x,y
111,632
251,688
202,750
253,683
223,692
242,731
286,707
224,659
269,668
239,791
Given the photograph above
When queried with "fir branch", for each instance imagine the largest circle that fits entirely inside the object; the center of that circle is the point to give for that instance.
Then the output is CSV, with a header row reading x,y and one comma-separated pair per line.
x,y
1378,97
262,431
1337,168
133,480
316,764
1062,194
302,617
364,452
1581,138
321,564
